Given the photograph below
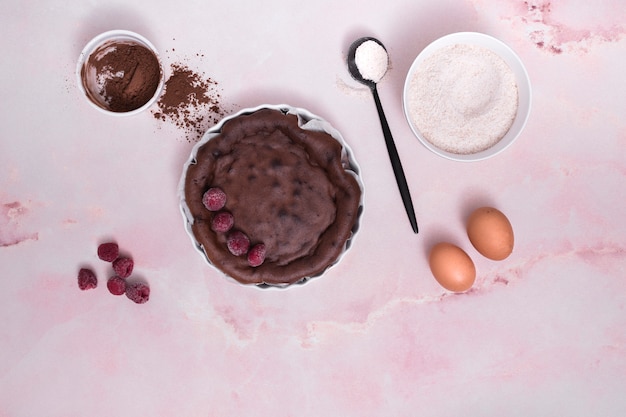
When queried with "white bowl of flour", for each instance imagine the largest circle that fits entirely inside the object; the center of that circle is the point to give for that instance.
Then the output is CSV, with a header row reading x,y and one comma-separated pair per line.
x,y
467,96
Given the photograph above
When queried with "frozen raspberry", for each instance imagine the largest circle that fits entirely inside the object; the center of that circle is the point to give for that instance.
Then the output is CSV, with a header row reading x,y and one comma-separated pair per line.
x,y
214,199
222,222
138,292
108,251
87,279
116,285
238,243
256,256
123,266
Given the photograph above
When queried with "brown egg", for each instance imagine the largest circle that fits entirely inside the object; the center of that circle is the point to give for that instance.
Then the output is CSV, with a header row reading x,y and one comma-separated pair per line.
x,y
491,233
452,267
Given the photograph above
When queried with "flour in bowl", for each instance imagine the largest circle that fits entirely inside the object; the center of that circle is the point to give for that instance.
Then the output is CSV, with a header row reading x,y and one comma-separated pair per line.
x,y
463,98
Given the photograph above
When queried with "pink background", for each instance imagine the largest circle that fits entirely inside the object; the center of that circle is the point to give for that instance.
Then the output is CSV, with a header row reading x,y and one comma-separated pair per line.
x,y
542,333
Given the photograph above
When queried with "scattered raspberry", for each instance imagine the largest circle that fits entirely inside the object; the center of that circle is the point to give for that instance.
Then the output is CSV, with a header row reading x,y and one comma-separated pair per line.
x,y
116,285
214,199
108,251
256,256
87,279
222,222
123,266
238,243
138,292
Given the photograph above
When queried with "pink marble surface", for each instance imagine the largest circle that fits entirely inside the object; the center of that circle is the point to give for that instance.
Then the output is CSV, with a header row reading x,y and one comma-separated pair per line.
x,y
542,333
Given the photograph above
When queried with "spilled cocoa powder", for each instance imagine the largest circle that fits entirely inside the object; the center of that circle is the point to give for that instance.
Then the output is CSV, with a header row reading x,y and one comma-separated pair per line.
x,y
190,101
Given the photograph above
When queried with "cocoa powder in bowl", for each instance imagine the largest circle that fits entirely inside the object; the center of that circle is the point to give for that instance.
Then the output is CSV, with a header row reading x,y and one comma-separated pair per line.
x,y
121,75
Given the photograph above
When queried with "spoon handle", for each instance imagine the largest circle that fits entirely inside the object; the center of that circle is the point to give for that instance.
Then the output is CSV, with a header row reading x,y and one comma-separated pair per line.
x,y
395,162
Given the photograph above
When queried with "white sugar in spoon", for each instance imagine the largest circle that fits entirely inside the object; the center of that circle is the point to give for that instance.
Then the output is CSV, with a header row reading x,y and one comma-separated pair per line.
x,y
368,62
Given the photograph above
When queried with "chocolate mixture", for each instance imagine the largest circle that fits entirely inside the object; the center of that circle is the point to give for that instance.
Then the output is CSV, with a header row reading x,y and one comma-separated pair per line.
x,y
127,74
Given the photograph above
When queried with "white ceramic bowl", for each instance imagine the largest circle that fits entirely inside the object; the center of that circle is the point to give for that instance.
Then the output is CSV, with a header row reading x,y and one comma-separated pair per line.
x,y
523,87
87,82
307,121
